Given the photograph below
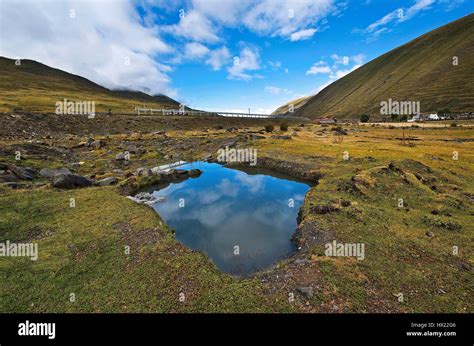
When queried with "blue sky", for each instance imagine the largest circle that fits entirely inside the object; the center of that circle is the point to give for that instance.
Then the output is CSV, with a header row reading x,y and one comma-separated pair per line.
x,y
217,55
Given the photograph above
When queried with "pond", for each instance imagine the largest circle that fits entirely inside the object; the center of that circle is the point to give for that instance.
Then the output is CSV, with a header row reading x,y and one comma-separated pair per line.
x,y
243,222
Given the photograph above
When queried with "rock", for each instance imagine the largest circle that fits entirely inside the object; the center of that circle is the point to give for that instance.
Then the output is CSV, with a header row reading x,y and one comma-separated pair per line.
x,y
97,144
324,209
79,145
144,171
429,234
306,291
255,137
194,173
146,198
107,181
24,173
206,157
135,150
89,141
8,178
302,261
230,144
294,134
70,181
281,137
464,266
11,184
51,173
120,157
231,129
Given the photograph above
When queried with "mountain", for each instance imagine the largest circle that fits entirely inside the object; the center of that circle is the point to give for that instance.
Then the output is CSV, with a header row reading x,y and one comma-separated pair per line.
x,y
420,70
296,104
33,86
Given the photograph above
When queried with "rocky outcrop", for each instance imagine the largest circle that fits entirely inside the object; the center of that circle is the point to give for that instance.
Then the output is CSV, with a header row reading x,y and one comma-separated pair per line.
x,y
10,172
70,181
51,173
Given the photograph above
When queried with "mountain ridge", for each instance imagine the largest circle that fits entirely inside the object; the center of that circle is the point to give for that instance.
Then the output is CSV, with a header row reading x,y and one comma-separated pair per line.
x,y
34,86
419,70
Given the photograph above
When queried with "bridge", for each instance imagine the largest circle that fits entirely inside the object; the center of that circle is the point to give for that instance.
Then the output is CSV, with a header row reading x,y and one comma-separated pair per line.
x,y
190,112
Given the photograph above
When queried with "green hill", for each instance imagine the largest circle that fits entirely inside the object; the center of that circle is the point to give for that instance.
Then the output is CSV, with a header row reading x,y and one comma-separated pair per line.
x,y
421,70
296,104
36,87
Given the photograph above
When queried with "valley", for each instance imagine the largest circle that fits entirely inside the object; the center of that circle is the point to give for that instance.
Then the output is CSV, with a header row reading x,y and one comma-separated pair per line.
x,y
408,248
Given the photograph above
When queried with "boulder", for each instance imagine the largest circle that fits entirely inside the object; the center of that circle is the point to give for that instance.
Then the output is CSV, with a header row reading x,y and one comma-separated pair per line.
x,y
70,181
144,171
305,291
120,157
24,173
51,173
194,173
146,198
107,181
97,144
230,144
135,150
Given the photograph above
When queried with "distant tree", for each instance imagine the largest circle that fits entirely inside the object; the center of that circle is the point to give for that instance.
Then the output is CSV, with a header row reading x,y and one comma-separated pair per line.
x,y
364,118
284,127
404,117
394,117
269,128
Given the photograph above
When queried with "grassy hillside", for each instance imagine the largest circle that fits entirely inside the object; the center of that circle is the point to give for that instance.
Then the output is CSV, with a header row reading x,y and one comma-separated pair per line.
x,y
421,70
296,104
33,86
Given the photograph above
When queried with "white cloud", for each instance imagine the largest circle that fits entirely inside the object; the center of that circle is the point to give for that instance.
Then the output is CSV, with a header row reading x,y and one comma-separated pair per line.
x,y
194,26
275,64
218,58
319,67
225,12
382,21
195,50
283,18
419,5
249,60
302,34
397,16
358,59
344,60
92,39
276,90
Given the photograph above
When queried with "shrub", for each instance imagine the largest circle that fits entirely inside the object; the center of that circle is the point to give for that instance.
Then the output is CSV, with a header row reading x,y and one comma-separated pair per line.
x,y
269,128
364,118
284,127
453,125
340,130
